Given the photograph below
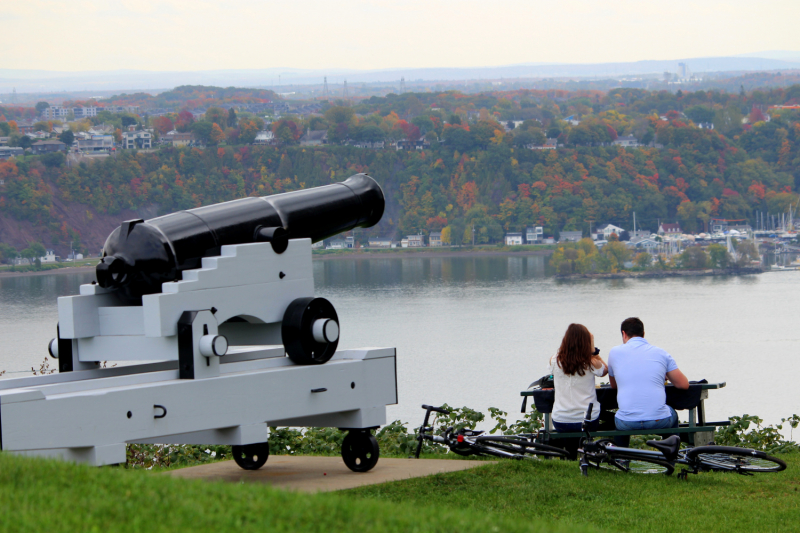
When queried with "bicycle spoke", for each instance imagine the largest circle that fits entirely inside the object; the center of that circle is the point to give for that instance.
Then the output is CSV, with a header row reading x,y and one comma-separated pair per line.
x,y
724,461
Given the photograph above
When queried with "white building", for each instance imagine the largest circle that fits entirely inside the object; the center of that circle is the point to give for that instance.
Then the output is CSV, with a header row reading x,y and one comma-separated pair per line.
x,y
264,137
137,139
49,257
607,229
628,141
380,242
416,241
534,235
513,239
84,112
55,112
570,236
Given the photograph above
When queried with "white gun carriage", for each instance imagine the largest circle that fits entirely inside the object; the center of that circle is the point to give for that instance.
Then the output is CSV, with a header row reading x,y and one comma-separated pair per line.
x,y
216,307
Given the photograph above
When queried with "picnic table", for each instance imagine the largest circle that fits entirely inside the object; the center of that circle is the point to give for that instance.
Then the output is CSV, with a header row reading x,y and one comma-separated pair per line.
x,y
696,432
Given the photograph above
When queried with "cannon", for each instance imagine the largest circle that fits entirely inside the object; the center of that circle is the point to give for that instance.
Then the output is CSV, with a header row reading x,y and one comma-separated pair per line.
x,y
140,255
215,308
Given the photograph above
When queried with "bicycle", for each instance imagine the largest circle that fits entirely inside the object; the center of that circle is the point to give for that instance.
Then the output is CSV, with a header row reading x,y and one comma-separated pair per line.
x,y
604,454
470,442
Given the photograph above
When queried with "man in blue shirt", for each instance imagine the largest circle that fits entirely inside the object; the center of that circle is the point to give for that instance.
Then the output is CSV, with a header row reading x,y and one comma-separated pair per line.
x,y
638,370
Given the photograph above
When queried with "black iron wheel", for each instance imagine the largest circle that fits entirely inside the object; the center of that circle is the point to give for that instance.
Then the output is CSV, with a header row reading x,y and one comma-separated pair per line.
x,y
297,331
360,450
251,456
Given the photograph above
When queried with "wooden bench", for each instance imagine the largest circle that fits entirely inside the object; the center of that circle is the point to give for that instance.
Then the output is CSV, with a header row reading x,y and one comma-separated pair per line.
x,y
696,432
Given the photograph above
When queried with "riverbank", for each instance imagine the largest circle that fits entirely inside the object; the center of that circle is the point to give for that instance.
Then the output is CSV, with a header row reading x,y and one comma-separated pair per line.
x,y
434,253
50,272
666,273
360,253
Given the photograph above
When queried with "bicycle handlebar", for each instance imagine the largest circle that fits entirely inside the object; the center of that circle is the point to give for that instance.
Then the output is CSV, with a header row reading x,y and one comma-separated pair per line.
x,y
424,427
436,409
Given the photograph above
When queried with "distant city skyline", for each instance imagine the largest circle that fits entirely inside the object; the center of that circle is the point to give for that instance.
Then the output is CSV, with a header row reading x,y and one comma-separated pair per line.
x,y
183,35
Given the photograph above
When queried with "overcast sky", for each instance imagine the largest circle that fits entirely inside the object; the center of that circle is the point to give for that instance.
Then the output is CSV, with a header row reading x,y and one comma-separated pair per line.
x,y
374,34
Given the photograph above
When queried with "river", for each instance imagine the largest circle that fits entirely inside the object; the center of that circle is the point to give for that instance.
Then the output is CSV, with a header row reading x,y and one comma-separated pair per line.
x,y
476,331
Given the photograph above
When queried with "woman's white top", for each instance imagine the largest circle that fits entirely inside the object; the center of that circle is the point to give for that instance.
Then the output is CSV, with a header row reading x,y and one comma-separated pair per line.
x,y
574,393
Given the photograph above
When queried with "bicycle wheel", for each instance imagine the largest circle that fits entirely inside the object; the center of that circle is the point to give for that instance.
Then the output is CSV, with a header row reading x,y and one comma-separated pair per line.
x,y
732,459
636,464
521,446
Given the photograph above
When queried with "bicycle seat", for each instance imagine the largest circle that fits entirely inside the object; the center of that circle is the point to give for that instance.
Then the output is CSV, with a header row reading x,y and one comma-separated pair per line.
x,y
669,446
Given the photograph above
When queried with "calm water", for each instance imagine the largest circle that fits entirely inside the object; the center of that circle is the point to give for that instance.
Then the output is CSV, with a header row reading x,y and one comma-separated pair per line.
x,y
477,331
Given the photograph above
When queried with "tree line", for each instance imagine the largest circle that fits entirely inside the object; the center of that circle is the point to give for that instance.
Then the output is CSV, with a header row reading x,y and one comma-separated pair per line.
x,y
479,172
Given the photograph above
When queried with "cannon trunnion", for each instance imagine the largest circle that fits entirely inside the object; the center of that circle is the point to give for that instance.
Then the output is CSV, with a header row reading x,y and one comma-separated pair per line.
x,y
216,306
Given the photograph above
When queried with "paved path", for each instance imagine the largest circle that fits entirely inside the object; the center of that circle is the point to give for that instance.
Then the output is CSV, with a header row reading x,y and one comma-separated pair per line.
x,y
322,474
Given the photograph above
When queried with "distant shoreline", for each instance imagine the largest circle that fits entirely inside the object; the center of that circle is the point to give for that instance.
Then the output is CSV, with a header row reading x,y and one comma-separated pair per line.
x,y
427,253
360,254
666,274
53,271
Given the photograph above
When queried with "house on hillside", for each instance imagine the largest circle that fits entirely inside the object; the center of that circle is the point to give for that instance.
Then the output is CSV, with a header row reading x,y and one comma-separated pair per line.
x,y
435,239
45,147
49,257
25,127
405,144
177,139
570,236
380,242
84,142
314,138
336,244
628,141
377,145
416,241
513,239
10,151
534,234
137,139
550,144
669,229
604,231
264,137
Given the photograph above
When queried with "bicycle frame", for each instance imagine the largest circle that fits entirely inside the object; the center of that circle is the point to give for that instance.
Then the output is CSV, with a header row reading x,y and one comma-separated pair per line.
x,y
468,442
721,458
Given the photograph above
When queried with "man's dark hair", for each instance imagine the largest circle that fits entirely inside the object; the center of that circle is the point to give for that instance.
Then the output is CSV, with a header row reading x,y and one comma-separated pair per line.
x,y
632,327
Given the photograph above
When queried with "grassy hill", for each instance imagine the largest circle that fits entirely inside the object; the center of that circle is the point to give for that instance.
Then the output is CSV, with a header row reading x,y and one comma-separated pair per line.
x,y
40,495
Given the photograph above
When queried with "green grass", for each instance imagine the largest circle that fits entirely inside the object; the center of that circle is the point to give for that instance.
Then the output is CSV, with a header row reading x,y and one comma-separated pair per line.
x,y
532,492
40,495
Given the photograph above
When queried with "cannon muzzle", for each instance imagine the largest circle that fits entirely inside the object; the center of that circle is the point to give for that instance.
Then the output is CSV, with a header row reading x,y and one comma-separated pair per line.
x,y
140,255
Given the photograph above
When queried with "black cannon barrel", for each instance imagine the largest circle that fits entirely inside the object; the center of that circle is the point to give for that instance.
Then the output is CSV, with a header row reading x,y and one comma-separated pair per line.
x,y
140,255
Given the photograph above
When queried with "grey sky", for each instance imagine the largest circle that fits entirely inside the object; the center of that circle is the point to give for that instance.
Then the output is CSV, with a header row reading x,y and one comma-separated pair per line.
x,y
376,34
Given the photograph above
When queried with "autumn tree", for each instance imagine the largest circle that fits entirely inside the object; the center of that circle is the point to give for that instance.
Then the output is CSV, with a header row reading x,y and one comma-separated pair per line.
x,y
163,124
217,115
216,135
447,235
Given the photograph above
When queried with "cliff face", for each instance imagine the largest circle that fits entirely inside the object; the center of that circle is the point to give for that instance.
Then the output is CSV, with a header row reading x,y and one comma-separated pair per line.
x,y
92,227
